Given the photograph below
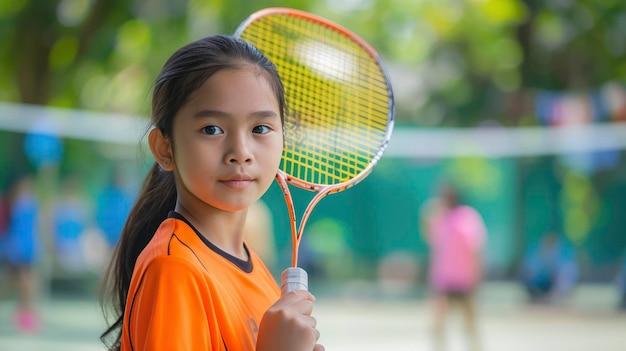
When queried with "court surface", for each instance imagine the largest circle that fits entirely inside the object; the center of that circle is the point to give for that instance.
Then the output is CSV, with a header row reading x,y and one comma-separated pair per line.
x,y
586,322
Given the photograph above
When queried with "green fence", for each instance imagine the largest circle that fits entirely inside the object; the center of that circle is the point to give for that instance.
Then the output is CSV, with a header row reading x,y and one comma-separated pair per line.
x,y
351,232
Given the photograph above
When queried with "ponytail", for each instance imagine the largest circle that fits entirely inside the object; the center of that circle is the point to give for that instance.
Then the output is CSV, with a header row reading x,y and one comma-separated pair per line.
x,y
157,198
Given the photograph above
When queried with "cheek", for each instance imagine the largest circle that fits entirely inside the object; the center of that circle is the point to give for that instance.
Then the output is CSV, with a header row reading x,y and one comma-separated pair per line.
x,y
278,153
272,155
192,160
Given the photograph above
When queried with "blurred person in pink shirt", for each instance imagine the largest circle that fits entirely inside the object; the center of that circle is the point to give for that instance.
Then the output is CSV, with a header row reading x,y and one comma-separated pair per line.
x,y
456,235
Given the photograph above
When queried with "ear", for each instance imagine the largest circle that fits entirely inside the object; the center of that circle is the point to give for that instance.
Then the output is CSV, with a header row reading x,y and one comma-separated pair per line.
x,y
161,149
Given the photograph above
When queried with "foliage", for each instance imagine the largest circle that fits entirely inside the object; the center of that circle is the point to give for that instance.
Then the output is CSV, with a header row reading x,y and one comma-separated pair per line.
x,y
452,62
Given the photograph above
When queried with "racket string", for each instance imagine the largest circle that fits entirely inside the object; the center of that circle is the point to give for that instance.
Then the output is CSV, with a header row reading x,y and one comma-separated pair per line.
x,y
331,99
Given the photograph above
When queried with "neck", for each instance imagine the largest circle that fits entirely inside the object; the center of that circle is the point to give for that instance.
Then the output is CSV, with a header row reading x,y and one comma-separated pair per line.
x,y
223,229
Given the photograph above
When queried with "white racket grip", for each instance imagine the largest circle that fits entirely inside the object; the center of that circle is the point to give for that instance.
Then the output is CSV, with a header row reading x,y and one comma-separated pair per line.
x,y
294,278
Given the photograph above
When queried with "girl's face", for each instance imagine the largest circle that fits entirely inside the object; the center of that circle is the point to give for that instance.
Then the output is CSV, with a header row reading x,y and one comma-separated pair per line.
x,y
228,141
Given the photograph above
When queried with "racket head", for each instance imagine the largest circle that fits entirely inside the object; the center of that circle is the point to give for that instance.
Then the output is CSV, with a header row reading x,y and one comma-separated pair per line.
x,y
340,101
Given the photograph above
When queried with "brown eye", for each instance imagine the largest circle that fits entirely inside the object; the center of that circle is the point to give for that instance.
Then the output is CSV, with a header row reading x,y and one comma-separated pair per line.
x,y
262,129
212,130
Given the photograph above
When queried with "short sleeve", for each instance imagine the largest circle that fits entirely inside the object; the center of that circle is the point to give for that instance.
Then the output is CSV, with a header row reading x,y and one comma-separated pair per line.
x,y
474,228
168,310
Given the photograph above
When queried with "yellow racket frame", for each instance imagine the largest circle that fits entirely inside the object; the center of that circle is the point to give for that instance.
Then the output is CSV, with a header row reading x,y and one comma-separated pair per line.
x,y
340,103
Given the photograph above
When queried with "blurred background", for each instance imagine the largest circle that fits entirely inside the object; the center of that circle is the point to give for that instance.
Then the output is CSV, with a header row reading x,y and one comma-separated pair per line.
x,y
521,104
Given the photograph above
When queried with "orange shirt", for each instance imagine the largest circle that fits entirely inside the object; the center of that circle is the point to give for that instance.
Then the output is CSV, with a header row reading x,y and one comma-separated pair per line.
x,y
187,294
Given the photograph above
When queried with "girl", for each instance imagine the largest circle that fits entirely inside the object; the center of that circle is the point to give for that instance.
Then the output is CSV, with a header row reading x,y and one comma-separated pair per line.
x,y
182,277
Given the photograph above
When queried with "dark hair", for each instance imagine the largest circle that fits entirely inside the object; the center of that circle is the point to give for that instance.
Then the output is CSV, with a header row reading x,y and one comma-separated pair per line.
x,y
450,194
183,73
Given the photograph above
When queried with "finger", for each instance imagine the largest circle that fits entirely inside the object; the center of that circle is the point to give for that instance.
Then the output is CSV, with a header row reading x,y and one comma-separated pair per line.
x,y
298,295
300,302
304,307
307,322
313,337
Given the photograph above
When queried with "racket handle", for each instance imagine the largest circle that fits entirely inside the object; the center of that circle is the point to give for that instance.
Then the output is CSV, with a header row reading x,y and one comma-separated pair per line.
x,y
294,278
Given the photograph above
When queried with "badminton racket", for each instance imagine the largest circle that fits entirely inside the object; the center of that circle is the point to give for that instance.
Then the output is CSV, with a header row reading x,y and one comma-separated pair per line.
x,y
340,109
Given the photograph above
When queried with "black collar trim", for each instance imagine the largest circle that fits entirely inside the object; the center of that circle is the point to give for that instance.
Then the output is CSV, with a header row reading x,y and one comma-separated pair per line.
x,y
245,266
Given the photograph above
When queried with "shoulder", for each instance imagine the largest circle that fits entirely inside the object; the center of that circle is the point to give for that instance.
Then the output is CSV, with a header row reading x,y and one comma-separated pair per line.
x,y
168,278
173,233
467,212
471,220
170,268
174,241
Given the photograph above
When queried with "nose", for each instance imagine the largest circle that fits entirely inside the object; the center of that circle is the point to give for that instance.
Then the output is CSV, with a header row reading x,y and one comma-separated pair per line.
x,y
239,150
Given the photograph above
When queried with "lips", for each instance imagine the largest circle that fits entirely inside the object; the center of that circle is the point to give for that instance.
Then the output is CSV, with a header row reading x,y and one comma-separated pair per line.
x,y
238,182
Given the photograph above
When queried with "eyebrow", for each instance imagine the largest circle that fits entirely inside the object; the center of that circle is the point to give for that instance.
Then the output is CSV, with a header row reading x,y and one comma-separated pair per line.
x,y
222,114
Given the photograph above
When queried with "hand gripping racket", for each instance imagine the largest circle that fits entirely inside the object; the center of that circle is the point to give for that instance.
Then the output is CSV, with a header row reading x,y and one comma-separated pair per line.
x,y
341,108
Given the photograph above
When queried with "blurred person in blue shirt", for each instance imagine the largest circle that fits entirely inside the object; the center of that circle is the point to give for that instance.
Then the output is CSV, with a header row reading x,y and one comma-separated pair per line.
x,y
20,249
71,216
112,207
550,270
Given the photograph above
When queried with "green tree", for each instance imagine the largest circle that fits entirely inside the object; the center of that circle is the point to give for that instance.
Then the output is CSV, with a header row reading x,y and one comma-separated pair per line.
x,y
101,54
453,62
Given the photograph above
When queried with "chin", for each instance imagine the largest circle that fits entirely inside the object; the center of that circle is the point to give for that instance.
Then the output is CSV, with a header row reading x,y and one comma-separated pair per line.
x,y
238,207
